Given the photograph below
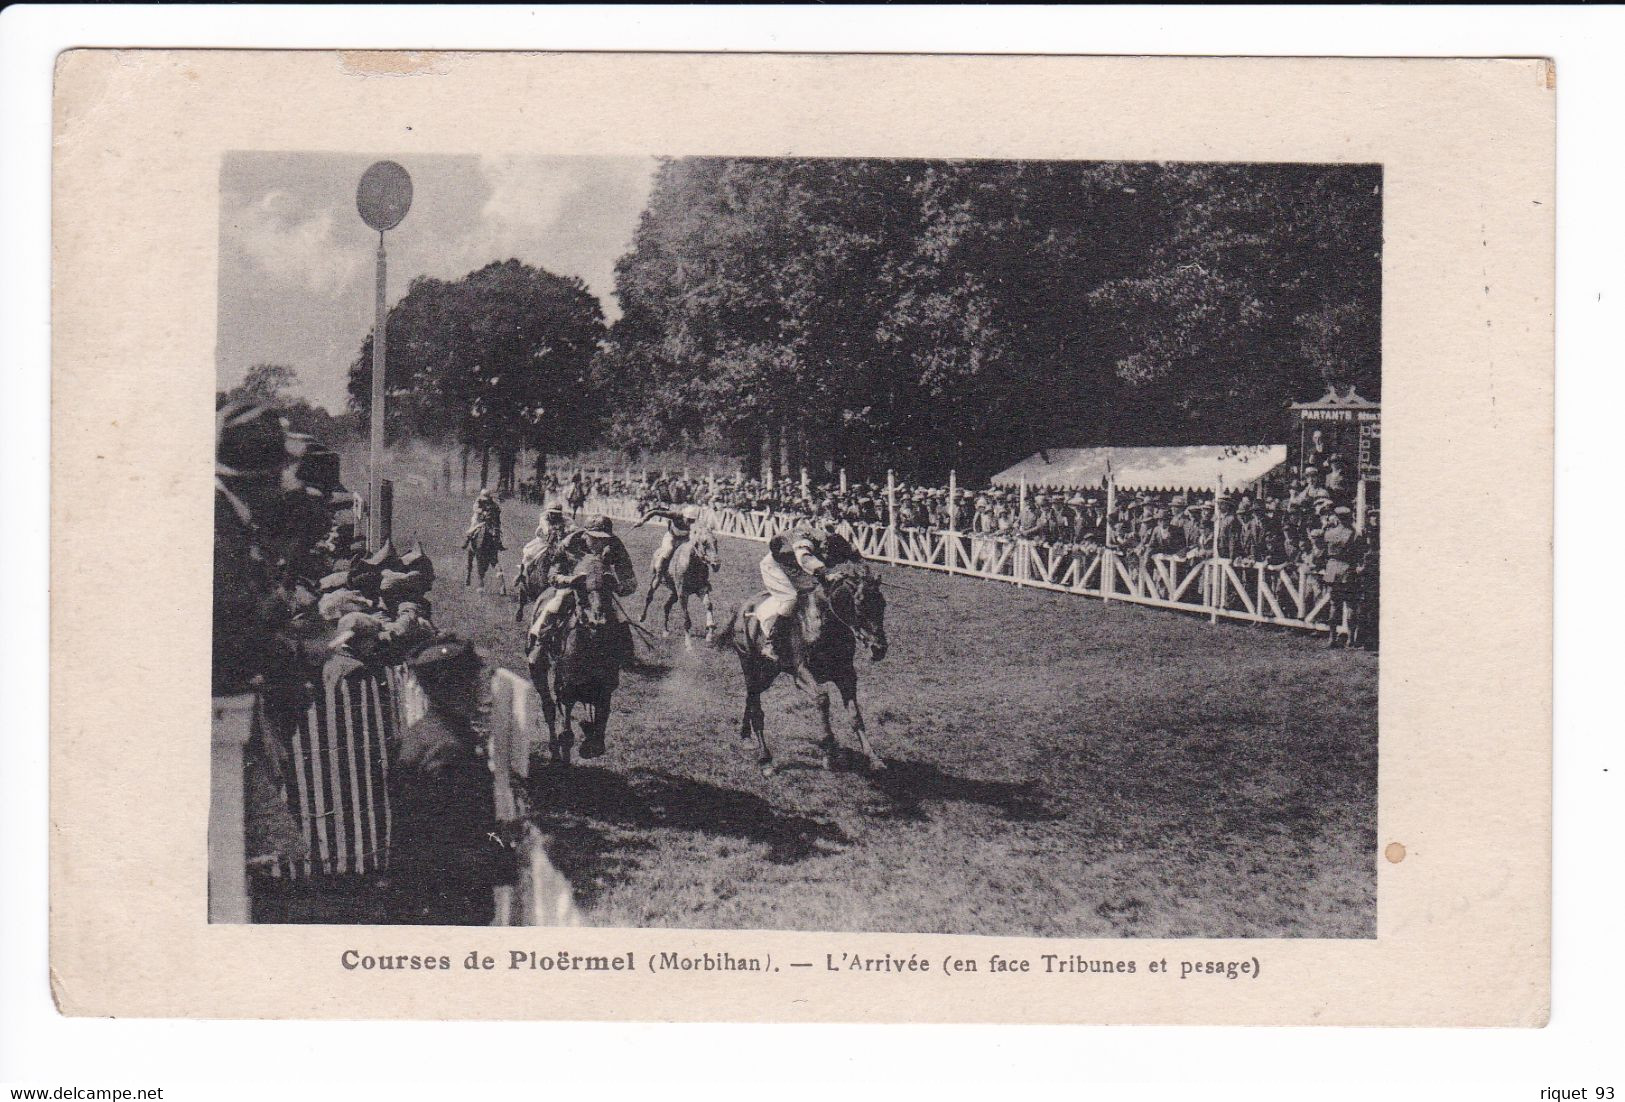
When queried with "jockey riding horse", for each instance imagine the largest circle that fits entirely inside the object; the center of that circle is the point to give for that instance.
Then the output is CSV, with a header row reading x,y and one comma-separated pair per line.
x,y
796,563
537,558
580,635
822,605
679,525
484,538
597,538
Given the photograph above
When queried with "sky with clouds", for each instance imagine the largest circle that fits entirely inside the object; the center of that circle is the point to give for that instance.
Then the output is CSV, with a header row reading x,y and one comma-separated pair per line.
x,y
296,261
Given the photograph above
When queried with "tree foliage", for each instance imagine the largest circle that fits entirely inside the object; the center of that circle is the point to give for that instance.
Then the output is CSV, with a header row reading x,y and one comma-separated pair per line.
x,y
499,359
923,315
274,385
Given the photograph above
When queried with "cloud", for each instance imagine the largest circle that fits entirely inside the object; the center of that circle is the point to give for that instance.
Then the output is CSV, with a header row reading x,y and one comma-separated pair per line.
x,y
570,215
291,244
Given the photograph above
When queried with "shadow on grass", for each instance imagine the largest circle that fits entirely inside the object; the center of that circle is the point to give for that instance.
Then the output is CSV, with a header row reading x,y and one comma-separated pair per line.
x,y
908,784
587,810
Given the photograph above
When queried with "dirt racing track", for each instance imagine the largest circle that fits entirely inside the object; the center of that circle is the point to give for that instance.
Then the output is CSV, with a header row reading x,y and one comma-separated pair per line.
x,y
1057,767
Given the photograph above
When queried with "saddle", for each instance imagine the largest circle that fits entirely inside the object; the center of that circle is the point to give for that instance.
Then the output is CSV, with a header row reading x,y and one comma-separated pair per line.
x,y
807,618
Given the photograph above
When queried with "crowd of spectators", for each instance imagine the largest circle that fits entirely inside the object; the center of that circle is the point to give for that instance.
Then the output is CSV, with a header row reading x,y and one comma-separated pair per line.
x,y
1302,522
1276,522
317,629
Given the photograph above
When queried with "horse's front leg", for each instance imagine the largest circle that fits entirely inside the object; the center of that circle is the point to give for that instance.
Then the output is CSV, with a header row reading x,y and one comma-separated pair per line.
x,y
592,746
665,615
848,686
468,574
539,671
710,615
567,735
828,744
649,598
756,723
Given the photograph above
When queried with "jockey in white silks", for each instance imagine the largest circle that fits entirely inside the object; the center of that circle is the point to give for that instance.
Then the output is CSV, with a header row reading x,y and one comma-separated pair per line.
x,y
679,525
790,568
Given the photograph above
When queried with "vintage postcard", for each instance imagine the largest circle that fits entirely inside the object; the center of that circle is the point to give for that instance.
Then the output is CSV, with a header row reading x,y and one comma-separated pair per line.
x,y
787,538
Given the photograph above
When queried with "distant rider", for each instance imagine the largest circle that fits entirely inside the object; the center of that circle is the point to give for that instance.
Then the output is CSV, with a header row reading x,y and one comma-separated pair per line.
x,y
487,512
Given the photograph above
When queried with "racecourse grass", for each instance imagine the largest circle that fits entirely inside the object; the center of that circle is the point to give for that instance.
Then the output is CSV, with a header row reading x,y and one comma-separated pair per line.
x,y
1058,767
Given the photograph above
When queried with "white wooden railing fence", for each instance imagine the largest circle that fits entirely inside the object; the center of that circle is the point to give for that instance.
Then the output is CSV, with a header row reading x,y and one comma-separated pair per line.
x,y
1287,596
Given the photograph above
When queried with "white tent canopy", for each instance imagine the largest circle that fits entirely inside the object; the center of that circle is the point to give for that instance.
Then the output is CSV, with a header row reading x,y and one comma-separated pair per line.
x,y
1201,467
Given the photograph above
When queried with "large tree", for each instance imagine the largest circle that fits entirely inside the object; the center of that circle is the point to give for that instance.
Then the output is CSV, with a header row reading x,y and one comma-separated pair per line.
x,y
499,360
275,385
1264,286
927,315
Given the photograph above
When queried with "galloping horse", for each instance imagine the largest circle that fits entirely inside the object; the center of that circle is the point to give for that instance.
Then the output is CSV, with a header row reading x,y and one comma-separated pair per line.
x,y
484,544
688,574
576,498
584,656
853,613
529,577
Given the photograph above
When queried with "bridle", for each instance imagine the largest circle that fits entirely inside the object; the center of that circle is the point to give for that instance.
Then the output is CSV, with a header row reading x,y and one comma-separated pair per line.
x,y
860,635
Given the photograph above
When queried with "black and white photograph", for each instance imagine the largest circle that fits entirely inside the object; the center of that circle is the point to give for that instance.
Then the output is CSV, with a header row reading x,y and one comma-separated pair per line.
x,y
837,544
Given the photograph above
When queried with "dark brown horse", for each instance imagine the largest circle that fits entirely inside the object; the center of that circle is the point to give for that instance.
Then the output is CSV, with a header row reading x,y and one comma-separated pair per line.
x,y
578,662
852,613
484,544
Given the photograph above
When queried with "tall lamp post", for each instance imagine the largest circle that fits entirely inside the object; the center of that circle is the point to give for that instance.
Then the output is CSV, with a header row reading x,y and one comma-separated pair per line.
x,y
382,198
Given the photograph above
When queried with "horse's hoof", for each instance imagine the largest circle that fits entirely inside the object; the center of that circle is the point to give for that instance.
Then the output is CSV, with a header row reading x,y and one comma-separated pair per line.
x,y
831,763
876,765
768,768
592,748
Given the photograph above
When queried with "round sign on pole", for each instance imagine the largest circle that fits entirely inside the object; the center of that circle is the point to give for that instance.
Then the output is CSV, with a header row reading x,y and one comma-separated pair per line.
x,y
385,195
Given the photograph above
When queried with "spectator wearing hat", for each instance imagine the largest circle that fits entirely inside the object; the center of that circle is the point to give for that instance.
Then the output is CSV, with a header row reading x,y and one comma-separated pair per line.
x,y
338,597
1166,538
410,628
1227,531
1339,487
1248,533
1192,530
1298,493
445,859
335,777
1343,552
250,454
311,493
